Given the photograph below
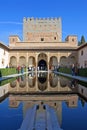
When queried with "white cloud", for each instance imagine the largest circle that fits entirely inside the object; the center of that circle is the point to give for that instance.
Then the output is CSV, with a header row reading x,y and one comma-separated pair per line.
x,y
10,22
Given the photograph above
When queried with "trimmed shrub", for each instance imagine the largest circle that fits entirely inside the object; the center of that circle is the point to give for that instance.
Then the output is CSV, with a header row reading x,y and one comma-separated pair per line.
x,y
7,71
81,71
65,70
6,81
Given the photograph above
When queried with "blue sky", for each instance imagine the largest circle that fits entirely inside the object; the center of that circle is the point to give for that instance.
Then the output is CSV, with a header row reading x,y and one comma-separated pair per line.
x,y
72,12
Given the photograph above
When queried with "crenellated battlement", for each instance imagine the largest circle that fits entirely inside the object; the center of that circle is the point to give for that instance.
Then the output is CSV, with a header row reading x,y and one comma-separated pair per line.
x,y
41,19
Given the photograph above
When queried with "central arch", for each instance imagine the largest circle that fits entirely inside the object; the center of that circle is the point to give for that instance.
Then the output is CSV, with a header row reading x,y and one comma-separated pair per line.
x,y
42,61
42,65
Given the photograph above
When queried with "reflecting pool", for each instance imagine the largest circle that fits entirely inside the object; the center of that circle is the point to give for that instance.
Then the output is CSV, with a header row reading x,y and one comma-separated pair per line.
x,y
67,96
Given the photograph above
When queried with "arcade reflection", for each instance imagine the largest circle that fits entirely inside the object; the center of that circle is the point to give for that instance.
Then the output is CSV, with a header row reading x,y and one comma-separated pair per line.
x,y
46,83
45,88
39,83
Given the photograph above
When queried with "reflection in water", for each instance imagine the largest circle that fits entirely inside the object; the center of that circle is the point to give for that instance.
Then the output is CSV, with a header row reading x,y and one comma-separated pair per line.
x,y
73,83
42,77
46,82
31,80
22,82
36,82
42,81
63,81
53,78
13,84
53,101
45,88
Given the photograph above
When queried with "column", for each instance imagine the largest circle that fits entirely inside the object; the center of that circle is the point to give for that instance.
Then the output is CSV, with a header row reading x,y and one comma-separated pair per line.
x,y
27,61
18,59
36,60
48,61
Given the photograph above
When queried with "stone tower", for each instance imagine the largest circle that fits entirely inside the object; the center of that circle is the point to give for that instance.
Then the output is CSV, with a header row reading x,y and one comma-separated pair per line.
x,y
42,30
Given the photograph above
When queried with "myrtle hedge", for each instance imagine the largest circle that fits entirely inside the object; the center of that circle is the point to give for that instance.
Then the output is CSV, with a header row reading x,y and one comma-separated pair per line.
x,y
7,71
81,71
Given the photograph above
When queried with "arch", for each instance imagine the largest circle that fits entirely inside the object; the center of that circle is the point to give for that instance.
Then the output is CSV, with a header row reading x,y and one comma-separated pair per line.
x,y
42,87
22,61
42,81
31,80
53,62
13,84
42,77
63,82
42,61
72,60
42,65
63,61
13,61
53,80
31,61
22,82
42,55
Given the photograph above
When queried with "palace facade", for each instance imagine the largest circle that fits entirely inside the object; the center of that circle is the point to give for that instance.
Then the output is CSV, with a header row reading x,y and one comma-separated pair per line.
x,y
42,46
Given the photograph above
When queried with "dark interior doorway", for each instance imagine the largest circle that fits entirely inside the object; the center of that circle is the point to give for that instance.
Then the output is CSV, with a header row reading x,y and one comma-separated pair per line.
x,y
42,65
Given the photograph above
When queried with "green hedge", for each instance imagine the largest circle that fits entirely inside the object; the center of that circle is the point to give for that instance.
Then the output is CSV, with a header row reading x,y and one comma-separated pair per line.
x,y
81,71
65,70
7,81
7,71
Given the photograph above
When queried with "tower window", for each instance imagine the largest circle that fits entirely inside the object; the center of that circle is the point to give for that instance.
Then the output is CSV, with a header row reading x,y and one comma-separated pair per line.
x,y
42,39
81,52
13,40
3,61
85,64
4,52
54,38
73,39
